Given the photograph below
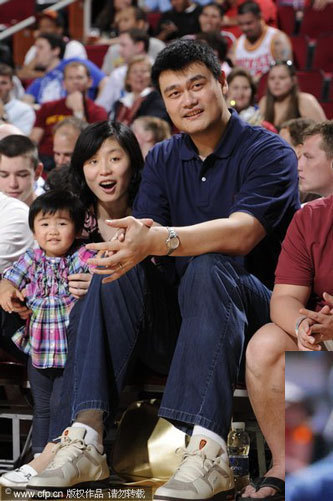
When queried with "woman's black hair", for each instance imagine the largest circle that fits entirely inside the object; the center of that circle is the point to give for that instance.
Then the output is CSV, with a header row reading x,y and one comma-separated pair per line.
x,y
89,142
55,200
180,54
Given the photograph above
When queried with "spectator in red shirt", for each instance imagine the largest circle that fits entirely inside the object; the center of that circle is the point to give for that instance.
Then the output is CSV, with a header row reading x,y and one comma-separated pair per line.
x,y
76,82
303,279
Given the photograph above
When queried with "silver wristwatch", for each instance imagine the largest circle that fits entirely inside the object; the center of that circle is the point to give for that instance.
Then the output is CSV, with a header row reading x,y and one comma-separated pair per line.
x,y
172,242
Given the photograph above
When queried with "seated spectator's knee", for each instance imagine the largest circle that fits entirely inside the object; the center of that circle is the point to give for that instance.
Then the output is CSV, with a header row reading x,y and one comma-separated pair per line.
x,y
266,348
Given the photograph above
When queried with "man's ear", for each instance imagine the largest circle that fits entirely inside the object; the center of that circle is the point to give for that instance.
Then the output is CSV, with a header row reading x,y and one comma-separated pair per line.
x,y
56,51
223,81
38,170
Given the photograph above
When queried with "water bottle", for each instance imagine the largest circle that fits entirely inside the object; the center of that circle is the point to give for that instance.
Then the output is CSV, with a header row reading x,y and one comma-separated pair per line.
x,y
238,450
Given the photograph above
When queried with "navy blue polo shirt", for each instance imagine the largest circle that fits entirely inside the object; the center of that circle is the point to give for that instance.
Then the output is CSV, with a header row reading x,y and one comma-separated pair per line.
x,y
251,170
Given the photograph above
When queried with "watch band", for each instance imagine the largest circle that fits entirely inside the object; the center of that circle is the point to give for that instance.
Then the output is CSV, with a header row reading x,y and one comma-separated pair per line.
x,y
172,235
298,323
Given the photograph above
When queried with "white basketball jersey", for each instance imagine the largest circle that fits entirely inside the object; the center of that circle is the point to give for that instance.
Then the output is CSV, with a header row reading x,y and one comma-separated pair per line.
x,y
256,58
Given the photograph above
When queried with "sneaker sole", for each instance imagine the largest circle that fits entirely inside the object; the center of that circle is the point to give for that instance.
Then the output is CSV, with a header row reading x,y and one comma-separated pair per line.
x,y
19,487
219,496
97,484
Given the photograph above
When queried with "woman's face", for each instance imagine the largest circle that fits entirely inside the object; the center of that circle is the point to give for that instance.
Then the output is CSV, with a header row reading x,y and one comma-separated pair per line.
x,y
279,81
240,92
139,76
108,173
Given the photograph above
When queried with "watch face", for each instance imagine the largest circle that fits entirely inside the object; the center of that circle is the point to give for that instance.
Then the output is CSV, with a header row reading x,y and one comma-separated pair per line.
x,y
174,242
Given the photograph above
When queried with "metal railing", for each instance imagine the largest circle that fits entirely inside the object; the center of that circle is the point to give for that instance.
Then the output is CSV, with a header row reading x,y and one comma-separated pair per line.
x,y
59,5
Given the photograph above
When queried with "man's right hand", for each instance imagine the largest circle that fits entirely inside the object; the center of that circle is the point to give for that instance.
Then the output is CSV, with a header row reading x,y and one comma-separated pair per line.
x,y
75,101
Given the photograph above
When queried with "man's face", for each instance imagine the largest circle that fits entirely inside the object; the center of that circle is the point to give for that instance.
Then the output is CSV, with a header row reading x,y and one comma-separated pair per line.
x,y
250,25
63,147
17,177
44,52
125,20
193,98
6,85
210,19
179,5
46,25
314,168
127,47
76,78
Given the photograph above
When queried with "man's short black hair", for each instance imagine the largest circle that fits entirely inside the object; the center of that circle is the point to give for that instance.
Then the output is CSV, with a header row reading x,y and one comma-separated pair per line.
x,y
16,145
55,200
249,7
137,36
55,41
182,53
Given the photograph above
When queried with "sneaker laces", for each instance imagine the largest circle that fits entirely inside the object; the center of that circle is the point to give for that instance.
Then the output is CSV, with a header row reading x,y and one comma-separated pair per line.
x,y
67,450
193,464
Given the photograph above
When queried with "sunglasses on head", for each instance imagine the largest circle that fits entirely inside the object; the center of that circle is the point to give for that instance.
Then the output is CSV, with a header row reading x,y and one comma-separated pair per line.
x,y
285,62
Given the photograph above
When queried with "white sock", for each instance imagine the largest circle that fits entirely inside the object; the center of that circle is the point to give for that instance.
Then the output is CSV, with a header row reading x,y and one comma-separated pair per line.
x,y
91,436
200,430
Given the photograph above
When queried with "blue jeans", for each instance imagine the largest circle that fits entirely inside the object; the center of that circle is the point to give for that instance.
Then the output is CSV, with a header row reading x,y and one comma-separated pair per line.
x,y
46,388
221,305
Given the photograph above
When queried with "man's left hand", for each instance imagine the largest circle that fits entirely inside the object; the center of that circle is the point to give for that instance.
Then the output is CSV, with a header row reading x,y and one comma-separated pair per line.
x,y
118,256
322,327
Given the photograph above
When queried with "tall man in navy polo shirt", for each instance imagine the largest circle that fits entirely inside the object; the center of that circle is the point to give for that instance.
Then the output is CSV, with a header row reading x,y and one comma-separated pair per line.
x,y
220,196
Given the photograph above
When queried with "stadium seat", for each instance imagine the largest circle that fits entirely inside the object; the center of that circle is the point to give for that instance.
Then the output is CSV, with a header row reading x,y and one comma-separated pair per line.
x,y
317,22
323,57
153,20
15,10
96,53
303,49
286,19
261,87
311,81
328,109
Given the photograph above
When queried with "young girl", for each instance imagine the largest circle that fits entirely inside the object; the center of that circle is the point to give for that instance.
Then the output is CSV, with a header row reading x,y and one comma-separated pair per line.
x,y
40,279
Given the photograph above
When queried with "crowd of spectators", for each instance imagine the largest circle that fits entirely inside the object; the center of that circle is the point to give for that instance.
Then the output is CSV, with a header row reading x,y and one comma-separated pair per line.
x,y
67,122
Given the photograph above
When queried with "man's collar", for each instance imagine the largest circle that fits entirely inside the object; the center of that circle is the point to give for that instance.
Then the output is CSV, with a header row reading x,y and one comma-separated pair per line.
x,y
227,142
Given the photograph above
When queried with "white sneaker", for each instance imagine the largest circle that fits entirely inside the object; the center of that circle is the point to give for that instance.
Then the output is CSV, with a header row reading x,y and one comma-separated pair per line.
x,y
203,474
19,478
74,463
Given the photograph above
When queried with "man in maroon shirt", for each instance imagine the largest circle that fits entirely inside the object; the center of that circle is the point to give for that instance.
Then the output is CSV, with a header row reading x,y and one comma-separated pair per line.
x,y
76,82
301,302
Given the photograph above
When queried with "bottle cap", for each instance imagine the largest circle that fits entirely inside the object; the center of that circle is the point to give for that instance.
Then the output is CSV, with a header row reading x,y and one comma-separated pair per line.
x,y
237,425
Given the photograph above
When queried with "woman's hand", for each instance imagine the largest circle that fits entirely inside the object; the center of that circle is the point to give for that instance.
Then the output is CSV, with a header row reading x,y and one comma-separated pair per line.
x,y
79,284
